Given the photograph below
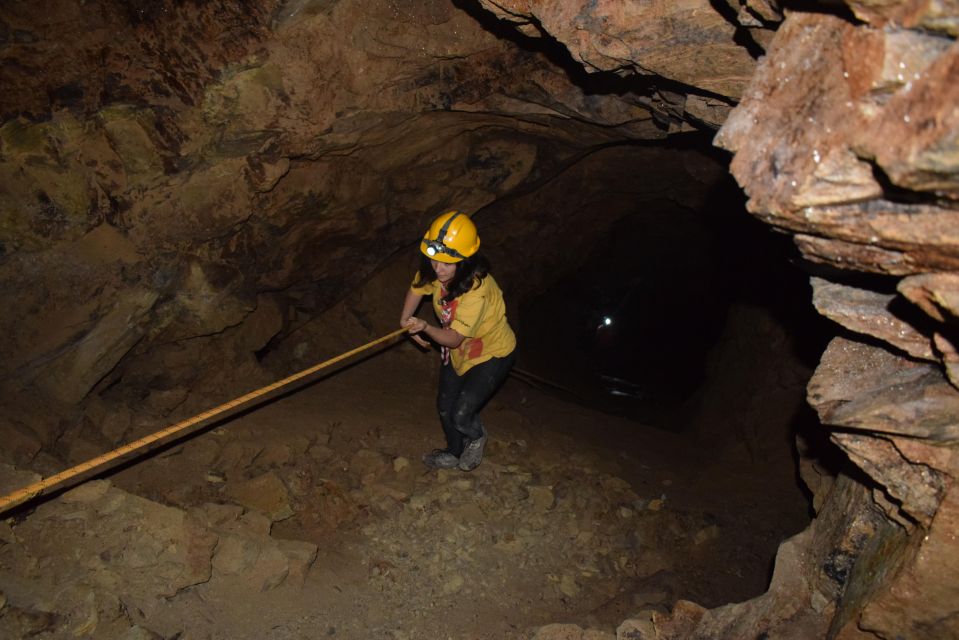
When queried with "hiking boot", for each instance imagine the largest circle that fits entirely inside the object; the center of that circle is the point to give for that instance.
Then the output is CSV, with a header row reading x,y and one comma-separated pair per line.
x,y
473,453
440,459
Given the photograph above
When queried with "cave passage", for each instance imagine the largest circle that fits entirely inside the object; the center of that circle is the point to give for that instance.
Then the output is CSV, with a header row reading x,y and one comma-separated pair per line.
x,y
199,198
639,323
634,321
574,515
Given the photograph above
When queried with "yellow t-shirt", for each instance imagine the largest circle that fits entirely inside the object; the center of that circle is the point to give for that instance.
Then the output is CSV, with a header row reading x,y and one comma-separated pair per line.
x,y
479,315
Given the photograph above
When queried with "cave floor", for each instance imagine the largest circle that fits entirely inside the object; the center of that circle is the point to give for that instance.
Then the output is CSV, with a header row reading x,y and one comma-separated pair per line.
x,y
574,516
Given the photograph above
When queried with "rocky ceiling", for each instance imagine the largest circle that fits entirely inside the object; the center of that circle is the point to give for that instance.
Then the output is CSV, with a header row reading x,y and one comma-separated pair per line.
x,y
191,172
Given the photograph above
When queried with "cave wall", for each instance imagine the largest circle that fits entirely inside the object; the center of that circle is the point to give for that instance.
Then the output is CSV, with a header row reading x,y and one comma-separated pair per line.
x,y
846,138
180,181
159,194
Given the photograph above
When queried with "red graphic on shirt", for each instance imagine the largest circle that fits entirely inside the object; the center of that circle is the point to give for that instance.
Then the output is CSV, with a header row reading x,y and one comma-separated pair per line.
x,y
474,348
447,313
471,348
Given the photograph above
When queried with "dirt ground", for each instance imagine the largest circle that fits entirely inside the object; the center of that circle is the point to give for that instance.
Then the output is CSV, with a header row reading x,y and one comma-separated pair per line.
x,y
574,516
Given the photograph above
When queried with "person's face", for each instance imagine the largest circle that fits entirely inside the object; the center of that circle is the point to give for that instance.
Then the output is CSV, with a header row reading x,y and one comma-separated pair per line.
x,y
444,270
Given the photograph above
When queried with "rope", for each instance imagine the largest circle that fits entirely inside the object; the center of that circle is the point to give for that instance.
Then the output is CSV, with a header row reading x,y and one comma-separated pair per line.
x,y
534,380
84,470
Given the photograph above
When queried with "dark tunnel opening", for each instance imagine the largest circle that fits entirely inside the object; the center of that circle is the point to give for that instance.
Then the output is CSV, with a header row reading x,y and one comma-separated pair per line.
x,y
644,290
631,324
683,313
642,321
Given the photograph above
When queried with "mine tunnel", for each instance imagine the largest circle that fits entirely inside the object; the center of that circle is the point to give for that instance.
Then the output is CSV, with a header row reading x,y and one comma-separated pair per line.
x,y
725,234
631,321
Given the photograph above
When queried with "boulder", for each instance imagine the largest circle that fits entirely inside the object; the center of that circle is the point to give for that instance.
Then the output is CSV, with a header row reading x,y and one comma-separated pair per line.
x,y
265,492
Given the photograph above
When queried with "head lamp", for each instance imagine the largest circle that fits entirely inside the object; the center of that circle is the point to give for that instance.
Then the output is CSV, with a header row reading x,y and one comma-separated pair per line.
x,y
434,247
450,238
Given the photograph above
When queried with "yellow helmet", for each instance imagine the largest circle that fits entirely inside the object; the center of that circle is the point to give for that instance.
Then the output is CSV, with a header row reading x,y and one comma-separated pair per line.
x,y
450,238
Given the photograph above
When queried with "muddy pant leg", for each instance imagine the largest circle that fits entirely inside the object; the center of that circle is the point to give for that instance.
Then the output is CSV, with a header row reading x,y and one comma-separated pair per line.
x,y
478,386
450,386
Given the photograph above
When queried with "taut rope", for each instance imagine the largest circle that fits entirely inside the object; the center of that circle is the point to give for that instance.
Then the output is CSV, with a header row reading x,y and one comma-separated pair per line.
x,y
84,470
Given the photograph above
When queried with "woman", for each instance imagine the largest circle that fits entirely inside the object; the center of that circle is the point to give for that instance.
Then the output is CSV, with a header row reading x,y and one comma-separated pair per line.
x,y
476,342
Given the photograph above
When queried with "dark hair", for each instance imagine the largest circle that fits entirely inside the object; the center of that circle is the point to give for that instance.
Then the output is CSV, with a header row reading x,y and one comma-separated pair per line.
x,y
469,273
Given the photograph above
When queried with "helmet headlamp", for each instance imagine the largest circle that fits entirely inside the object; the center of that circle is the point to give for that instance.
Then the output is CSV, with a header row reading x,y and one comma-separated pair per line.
x,y
450,238
434,247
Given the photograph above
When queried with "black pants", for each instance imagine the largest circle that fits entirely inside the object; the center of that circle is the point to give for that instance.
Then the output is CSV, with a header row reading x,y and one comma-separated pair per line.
x,y
460,399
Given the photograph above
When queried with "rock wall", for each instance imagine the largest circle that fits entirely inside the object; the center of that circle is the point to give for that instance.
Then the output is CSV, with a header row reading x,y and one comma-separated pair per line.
x,y
694,57
190,178
181,181
127,557
846,137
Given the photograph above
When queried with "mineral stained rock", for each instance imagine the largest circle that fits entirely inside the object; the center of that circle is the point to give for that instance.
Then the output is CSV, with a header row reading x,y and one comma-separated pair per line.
x,y
847,137
688,42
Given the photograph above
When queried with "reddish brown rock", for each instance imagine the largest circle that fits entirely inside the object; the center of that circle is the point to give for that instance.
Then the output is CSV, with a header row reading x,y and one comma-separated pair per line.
x,y
869,313
933,15
121,51
859,161
266,493
869,389
949,353
914,136
848,389
912,603
792,117
690,42
807,131
839,254
935,293
916,489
